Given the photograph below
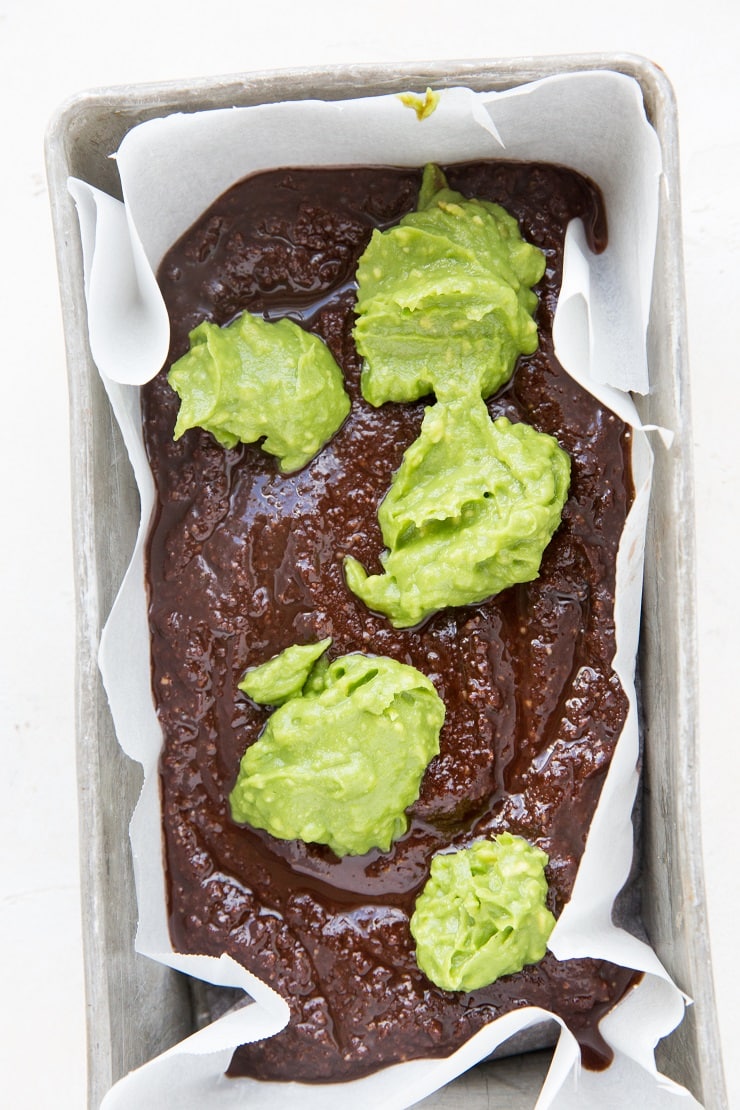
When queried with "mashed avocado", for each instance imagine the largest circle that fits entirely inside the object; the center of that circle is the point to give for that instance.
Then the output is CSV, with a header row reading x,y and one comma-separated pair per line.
x,y
469,513
444,299
482,913
254,379
283,677
424,105
340,761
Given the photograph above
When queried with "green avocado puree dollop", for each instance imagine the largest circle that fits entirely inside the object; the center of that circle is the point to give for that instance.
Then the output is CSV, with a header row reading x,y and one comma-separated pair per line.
x,y
482,913
444,299
284,676
469,513
424,105
256,378
339,762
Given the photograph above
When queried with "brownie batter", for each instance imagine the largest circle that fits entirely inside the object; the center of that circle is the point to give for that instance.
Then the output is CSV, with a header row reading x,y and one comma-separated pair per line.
x,y
244,561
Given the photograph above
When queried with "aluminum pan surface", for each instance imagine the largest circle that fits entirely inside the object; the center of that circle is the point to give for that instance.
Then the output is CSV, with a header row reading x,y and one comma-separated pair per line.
x,y
154,1009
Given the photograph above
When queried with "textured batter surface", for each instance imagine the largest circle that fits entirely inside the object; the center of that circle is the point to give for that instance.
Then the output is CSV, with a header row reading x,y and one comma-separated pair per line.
x,y
244,561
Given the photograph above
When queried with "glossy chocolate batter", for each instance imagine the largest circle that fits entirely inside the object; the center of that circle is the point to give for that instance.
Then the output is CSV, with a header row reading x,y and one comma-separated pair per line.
x,y
244,561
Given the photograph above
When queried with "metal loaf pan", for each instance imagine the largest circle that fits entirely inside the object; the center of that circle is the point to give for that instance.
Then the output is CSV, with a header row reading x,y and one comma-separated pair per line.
x,y
136,1008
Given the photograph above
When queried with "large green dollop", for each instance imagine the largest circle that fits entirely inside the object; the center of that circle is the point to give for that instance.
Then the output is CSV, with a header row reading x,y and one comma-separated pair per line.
x,y
468,513
444,299
482,913
255,378
340,762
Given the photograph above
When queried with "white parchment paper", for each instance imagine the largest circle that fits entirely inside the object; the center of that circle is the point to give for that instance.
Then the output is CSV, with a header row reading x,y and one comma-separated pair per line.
x,y
171,170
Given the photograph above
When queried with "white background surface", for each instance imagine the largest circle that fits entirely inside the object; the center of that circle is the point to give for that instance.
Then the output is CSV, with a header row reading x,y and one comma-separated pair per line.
x,y
49,51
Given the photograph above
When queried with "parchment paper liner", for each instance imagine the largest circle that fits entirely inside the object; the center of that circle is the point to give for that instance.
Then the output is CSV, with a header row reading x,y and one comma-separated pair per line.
x,y
171,169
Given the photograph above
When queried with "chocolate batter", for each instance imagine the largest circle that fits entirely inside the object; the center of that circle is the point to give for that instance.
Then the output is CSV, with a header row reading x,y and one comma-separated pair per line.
x,y
244,561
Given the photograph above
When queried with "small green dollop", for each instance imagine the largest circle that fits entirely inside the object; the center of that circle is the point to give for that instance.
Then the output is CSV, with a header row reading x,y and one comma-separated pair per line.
x,y
284,676
482,913
255,378
422,105
469,513
340,762
444,299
